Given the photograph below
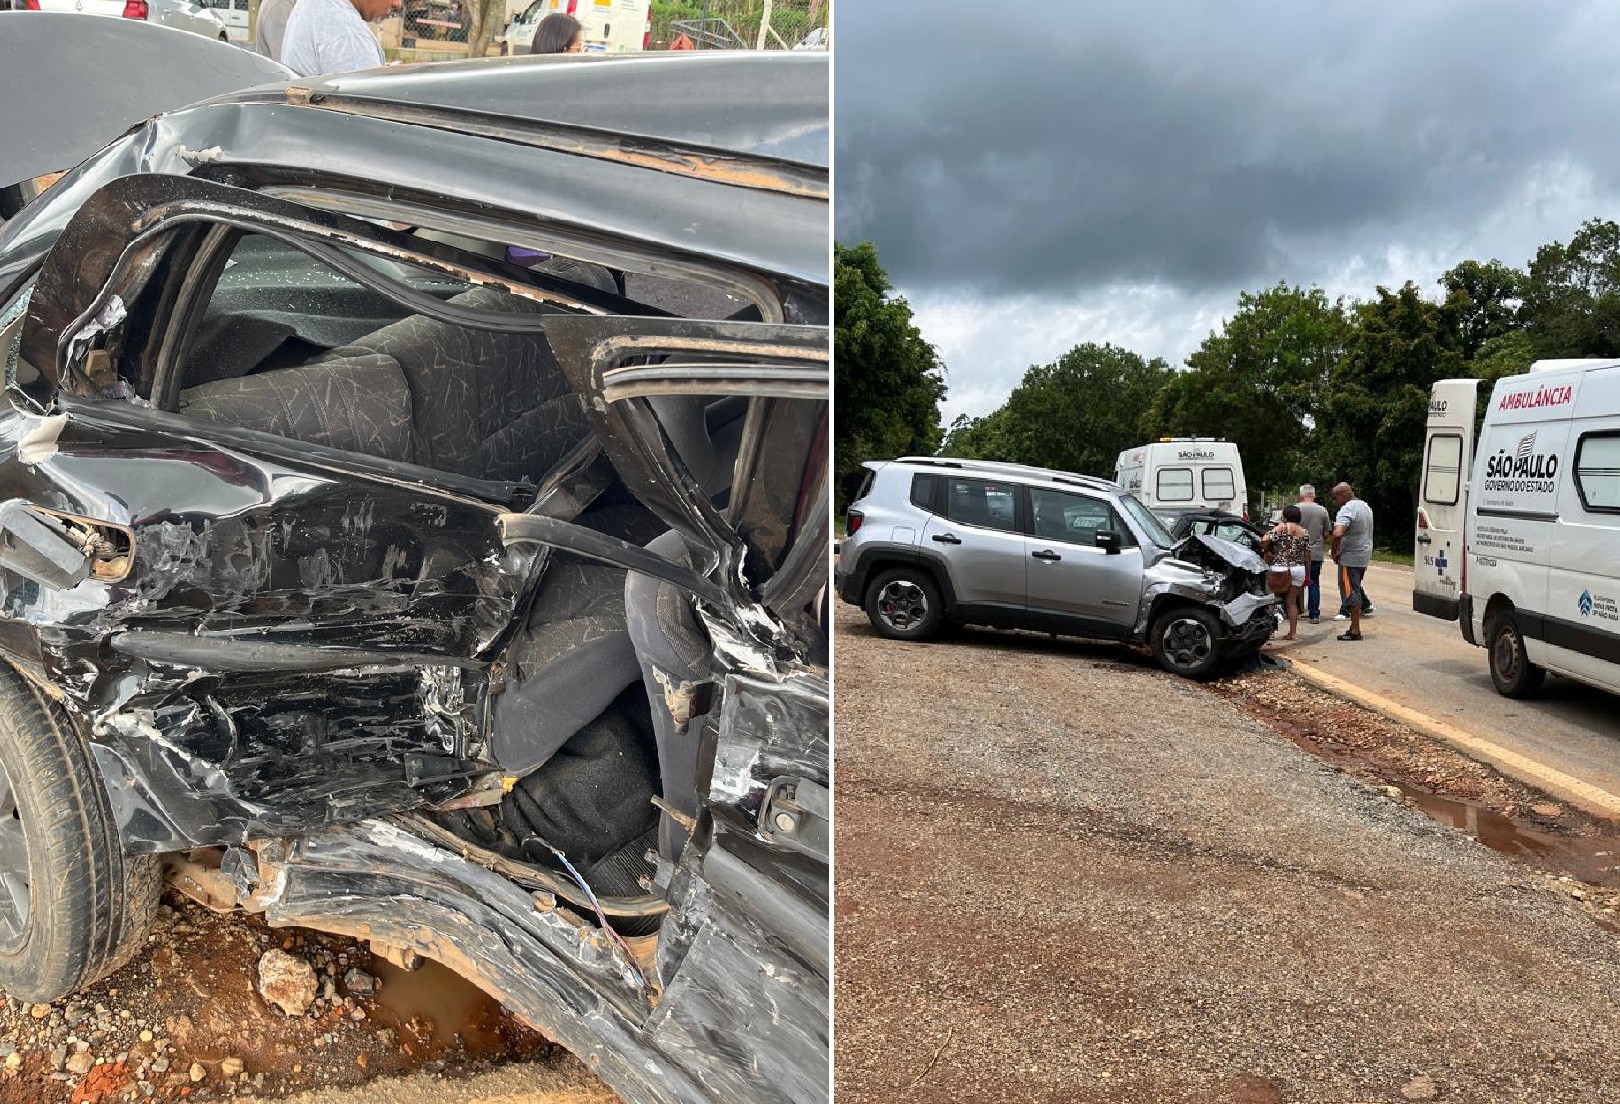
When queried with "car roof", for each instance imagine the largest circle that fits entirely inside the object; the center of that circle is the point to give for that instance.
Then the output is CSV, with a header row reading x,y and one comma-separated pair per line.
x,y
1024,472
753,104
103,76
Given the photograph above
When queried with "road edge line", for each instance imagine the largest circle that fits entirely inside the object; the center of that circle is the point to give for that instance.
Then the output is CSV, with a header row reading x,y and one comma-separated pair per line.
x,y
1592,799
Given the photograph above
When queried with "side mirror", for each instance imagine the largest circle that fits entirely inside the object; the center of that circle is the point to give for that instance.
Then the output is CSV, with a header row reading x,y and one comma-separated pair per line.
x,y
1108,540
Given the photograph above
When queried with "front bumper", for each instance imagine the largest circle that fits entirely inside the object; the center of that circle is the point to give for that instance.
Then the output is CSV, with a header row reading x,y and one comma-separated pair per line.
x,y
1252,632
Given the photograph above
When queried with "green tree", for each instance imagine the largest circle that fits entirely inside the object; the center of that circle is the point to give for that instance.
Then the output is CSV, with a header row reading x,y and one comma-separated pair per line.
x,y
1572,294
1482,300
887,379
1258,381
1375,408
1076,414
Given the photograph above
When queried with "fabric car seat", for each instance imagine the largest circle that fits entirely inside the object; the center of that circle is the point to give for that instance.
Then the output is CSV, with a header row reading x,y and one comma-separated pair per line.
x,y
484,404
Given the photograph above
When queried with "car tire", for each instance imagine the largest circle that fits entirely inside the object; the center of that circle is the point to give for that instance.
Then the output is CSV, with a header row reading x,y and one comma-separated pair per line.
x,y
73,906
1511,670
904,604
1185,641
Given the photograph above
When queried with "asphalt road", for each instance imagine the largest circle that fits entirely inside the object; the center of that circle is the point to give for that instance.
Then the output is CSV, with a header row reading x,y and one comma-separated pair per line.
x,y
1424,664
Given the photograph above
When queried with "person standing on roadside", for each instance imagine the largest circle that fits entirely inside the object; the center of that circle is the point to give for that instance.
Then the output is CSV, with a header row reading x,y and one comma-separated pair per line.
x,y
271,27
558,34
1313,518
331,36
1287,548
1352,550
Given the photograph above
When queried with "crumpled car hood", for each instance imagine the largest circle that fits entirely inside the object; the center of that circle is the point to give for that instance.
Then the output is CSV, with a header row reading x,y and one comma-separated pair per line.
x,y
1234,554
99,77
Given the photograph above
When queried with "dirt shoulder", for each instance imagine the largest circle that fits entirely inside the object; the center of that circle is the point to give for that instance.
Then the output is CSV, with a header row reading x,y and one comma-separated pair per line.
x,y
186,1021
1062,875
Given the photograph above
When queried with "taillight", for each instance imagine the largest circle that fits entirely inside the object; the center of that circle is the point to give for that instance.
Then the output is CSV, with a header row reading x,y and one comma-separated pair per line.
x,y
646,36
1462,575
1423,518
853,522
33,5
1245,511
572,6
134,9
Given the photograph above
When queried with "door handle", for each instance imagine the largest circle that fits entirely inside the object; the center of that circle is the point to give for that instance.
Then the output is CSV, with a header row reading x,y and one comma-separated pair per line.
x,y
946,538
1424,538
1046,554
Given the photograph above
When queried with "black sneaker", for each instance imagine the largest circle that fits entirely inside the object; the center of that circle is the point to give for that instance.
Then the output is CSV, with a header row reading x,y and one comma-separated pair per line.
x,y
1349,636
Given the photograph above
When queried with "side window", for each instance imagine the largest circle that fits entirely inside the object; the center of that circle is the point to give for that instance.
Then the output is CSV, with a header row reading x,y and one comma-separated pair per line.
x,y
1442,472
1218,484
980,502
868,476
1597,471
1174,485
923,489
288,346
1072,518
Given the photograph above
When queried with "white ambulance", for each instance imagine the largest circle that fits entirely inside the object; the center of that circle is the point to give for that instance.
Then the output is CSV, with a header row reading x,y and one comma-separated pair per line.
x,y
1519,540
1176,474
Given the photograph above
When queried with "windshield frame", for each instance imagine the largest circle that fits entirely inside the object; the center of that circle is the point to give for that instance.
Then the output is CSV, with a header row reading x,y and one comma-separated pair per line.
x,y
1147,521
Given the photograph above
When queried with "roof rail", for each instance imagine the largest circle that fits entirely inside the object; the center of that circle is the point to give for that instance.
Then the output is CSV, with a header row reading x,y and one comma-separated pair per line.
x,y
1051,475
931,461
1086,481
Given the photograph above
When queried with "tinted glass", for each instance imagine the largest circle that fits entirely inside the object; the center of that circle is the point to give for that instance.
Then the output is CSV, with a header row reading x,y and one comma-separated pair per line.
x,y
922,491
980,502
1072,518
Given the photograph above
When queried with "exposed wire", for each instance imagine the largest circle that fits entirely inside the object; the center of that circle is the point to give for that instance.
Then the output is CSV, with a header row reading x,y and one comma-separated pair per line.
x,y
635,967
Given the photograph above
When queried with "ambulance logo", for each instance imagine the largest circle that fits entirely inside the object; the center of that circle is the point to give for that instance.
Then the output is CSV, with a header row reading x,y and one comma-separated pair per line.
x,y
1585,603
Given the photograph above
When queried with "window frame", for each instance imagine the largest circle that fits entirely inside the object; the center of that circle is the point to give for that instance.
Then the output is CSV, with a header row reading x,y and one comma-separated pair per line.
x,y
931,505
1575,469
1127,535
1231,482
1158,485
1428,469
1015,524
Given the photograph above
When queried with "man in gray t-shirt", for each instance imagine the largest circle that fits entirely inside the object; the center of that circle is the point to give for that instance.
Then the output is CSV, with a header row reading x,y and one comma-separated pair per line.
x,y
1314,517
1352,550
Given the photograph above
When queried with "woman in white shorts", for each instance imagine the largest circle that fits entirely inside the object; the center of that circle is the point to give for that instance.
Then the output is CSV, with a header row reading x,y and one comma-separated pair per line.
x,y
1287,549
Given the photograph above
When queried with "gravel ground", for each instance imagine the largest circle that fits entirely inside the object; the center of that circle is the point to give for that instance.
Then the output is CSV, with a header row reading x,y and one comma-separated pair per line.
x,y
186,1020
1062,875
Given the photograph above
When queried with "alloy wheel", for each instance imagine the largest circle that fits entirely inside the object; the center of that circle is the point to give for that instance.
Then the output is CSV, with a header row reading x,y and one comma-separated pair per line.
x,y
902,605
1187,642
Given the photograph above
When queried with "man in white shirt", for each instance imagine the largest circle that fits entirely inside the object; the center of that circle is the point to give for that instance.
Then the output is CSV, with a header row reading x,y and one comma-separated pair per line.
x,y
272,27
330,36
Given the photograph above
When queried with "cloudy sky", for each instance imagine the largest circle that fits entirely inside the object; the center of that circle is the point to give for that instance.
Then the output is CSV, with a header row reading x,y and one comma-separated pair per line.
x,y
1038,175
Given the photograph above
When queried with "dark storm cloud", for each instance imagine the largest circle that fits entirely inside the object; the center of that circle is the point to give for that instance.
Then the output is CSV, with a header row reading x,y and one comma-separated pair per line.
x,y
1047,149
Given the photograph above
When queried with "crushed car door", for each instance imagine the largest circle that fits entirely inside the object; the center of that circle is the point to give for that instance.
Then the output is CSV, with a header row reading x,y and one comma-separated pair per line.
x,y
260,634
744,957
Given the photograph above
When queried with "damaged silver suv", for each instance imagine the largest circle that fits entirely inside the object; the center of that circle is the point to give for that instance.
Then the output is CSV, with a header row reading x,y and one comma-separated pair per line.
x,y
932,540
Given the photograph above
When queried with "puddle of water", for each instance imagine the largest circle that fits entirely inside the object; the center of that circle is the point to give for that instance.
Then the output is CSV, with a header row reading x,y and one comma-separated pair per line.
x,y
1595,861
441,1011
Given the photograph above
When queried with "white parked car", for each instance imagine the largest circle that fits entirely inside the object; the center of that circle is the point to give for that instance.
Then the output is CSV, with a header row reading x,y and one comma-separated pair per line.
x,y
184,15
234,14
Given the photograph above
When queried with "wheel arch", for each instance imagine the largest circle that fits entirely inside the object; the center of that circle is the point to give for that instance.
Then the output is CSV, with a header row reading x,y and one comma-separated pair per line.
x,y
878,560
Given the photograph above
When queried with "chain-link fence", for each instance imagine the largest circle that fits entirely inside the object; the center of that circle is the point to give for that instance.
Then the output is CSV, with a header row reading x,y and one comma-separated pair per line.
x,y
740,24
432,21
